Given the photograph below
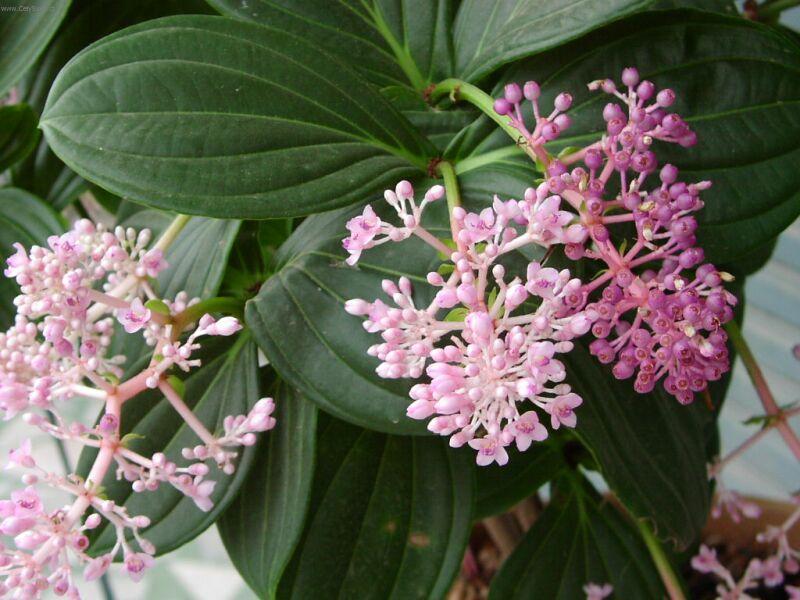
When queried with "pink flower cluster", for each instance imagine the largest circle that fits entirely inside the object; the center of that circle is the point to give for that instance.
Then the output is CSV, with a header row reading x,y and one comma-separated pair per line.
x,y
659,312
492,361
655,307
72,292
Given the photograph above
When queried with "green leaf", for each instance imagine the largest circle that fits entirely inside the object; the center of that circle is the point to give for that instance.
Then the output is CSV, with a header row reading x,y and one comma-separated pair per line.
x,y
488,35
254,129
500,488
390,41
738,85
87,21
298,320
27,220
650,449
25,29
580,538
389,518
262,526
227,383
18,134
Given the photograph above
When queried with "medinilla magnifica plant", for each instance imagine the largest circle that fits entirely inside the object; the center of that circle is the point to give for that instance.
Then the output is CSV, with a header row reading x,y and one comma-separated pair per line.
x,y
362,282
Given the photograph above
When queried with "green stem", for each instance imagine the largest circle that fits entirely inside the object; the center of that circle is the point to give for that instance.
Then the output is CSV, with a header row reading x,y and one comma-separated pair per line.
x,y
670,579
220,304
172,232
401,53
771,9
771,407
451,192
461,90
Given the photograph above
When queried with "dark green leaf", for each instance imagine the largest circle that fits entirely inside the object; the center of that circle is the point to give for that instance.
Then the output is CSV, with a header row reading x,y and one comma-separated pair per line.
x,y
18,134
227,383
500,488
254,129
25,29
488,35
650,449
579,539
262,526
27,220
87,21
299,321
738,84
389,41
389,518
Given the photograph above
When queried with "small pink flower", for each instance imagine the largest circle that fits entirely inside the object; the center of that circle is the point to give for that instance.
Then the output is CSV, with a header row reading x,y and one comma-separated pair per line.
x,y
136,564
17,262
527,429
706,560
490,449
27,502
200,491
153,262
363,230
97,567
771,571
596,591
225,326
21,457
135,317
561,411
794,592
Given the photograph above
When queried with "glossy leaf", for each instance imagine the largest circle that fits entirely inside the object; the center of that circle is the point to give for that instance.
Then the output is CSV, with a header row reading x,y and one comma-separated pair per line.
x,y
389,518
389,41
667,481
87,21
580,538
488,35
500,488
25,30
262,526
227,383
299,321
244,113
737,83
27,220
18,134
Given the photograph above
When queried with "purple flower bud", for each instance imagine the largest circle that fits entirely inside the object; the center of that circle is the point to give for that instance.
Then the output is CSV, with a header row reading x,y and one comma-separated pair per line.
x,y
502,107
669,173
645,90
671,121
593,159
513,93
562,122
630,76
615,126
550,131
665,97
612,111
531,90
563,101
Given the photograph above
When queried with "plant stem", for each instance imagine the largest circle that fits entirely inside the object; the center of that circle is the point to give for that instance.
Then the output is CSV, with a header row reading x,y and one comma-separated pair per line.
x,y
223,304
669,578
452,193
771,407
461,90
169,235
401,53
